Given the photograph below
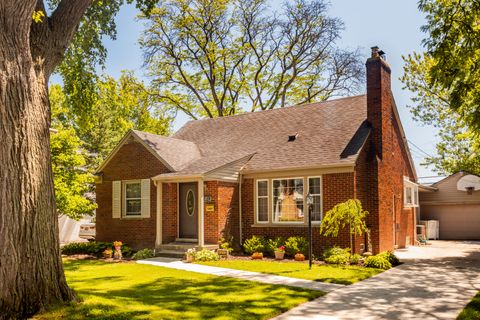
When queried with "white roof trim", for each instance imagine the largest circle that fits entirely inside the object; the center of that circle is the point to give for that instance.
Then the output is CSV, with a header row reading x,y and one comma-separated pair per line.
x,y
129,134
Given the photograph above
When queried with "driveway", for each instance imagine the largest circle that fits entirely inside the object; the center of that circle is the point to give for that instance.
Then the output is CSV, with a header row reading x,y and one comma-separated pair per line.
x,y
435,282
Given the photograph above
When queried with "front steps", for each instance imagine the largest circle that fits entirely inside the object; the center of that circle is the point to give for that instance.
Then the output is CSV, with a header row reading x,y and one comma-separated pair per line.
x,y
178,249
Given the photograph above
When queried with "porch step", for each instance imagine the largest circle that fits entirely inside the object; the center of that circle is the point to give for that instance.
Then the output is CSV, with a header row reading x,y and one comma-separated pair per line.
x,y
178,249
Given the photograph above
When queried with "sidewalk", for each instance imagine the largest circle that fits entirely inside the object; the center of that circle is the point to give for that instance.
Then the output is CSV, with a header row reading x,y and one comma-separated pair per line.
x,y
240,274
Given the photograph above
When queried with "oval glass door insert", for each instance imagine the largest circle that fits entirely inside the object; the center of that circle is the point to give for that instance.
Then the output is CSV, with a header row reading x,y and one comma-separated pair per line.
x,y
190,202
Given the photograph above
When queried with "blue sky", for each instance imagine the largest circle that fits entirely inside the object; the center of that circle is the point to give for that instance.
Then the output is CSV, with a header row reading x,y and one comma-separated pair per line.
x,y
392,25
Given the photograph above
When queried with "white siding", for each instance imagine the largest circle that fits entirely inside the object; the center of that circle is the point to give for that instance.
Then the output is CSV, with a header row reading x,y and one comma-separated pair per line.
x,y
448,193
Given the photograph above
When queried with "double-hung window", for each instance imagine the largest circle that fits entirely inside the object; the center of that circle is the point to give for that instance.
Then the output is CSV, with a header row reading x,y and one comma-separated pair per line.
x,y
262,201
133,198
410,193
315,191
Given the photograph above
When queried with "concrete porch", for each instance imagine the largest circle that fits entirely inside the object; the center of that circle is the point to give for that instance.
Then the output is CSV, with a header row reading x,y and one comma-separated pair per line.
x,y
177,249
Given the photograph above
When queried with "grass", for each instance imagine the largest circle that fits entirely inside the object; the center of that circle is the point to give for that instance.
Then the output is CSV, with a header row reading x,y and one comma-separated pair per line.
x,y
472,309
323,273
135,291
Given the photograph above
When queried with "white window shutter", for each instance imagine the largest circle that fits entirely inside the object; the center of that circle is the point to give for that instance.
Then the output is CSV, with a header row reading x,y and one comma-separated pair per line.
x,y
145,198
116,199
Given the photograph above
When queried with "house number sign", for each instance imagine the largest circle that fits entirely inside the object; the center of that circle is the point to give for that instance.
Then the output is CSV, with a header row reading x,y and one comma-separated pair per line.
x,y
190,203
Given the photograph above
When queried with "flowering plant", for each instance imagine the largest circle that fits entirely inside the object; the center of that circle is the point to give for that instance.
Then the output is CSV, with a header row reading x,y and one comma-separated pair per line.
x,y
117,243
191,252
280,249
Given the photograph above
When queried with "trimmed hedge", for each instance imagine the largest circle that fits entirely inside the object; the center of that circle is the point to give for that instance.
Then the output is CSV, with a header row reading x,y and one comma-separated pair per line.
x,y
337,255
378,262
92,248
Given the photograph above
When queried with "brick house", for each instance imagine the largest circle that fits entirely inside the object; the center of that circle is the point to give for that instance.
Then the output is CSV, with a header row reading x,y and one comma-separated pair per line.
x,y
250,174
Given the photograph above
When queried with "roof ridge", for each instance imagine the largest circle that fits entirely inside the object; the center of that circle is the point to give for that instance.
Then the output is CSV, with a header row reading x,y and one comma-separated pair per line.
x,y
273,110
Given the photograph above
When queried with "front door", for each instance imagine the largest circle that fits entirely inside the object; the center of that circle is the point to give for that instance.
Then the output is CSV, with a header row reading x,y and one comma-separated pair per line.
x,y
188,211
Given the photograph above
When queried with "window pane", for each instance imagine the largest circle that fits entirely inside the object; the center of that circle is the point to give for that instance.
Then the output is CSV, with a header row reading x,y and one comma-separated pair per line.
x,y
408,195
262,209
314,185
288,200
262,188
133,190
316,209
134,207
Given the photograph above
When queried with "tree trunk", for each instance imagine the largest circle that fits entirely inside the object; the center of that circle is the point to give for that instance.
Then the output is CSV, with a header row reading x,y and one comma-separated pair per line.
x,y
31,270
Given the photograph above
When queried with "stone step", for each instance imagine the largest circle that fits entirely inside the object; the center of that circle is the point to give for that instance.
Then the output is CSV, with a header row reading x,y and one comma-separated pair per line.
x,y
183,247
170,254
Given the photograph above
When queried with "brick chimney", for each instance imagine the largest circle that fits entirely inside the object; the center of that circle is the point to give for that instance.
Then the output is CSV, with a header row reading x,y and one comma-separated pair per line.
x,y
379,97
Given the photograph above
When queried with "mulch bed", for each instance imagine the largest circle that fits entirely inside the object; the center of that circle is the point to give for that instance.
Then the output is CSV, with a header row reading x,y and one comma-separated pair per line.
x,y
91,257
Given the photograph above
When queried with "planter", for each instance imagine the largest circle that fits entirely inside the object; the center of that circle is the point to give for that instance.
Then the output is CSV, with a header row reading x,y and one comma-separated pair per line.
x,y
190,258
299,257
107,254
257,256
279,255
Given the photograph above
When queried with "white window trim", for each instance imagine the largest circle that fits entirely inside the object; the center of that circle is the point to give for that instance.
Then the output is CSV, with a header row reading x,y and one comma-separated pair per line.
x,y
124,194
414,190
257,202
272,205
316,194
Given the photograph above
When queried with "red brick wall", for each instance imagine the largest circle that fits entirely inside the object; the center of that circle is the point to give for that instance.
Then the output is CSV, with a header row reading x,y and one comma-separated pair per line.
x,y
210,221
169,212
131,162
337,188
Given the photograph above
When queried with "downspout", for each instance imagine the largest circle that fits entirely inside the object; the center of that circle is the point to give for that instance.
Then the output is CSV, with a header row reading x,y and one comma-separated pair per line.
x,y
240,207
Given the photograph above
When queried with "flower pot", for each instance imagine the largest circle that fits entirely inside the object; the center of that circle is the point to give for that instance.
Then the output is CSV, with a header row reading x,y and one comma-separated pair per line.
x,y
118,248
299,257
190,258
279,255
257,256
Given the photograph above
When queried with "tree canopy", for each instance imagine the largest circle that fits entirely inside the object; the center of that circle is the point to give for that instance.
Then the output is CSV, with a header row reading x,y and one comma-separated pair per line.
x,y
445,81
218,57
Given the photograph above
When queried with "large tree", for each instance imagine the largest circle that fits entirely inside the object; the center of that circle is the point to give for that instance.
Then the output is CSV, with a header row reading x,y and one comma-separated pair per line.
x,y
31,270
445,81
217,57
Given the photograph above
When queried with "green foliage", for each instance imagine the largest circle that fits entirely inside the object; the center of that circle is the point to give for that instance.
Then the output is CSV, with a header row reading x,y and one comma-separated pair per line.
x,y
226,244
295,245
348,214
206,255
355,259
143,254
378,262
254,244
207,58
390,257
92,248
337,255
273,244
471,310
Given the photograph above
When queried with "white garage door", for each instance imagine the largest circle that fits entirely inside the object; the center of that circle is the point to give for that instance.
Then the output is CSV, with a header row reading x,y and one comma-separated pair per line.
x,y
457,222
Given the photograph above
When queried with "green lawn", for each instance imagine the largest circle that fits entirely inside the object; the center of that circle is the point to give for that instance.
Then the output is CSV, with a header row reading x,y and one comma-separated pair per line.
x,y
472,310
129,290
323,273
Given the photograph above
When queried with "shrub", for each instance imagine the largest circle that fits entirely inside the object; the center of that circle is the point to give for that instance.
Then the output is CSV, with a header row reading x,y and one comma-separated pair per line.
x,y
254,244
355,259
337,255
143,254
378,262
295,245
274,244
93,248
206,255
226,244
391,257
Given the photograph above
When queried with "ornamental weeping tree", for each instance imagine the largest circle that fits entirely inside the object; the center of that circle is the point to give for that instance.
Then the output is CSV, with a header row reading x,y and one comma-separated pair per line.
x,y
348,214
32,46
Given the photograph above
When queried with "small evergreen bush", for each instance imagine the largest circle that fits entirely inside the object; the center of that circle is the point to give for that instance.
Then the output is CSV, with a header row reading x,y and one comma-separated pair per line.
x,y
295,245
254,244
355,259
378,262
206,255
391,257
143,254
337,255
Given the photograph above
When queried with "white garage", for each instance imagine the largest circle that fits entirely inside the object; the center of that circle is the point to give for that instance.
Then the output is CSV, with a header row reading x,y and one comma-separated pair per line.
x,y
455,203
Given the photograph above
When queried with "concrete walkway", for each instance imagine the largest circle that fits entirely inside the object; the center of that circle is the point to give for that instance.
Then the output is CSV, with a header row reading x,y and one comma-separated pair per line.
x,y
436,283
240,274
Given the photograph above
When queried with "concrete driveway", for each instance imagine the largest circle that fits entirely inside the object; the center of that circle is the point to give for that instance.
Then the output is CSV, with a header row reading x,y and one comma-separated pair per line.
x,y
435,282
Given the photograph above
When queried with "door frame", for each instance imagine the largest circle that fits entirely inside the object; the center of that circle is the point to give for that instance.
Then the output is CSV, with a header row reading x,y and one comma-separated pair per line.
x,y
200,214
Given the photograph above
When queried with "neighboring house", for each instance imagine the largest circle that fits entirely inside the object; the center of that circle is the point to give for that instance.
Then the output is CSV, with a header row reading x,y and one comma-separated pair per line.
x,y
250,174
455,206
